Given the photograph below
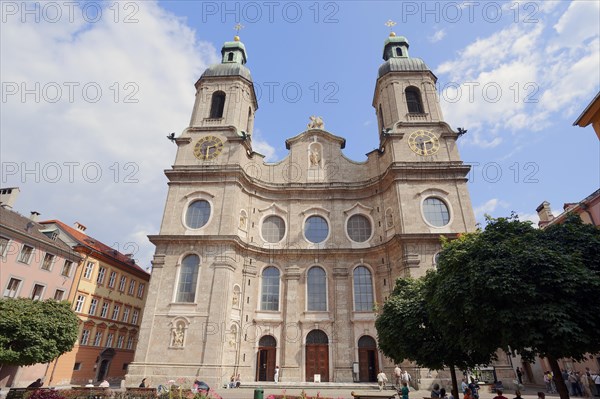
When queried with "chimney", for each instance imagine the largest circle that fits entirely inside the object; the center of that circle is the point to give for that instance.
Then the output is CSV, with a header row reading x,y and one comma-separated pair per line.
x,y
80,227
34,216
545,213
8,196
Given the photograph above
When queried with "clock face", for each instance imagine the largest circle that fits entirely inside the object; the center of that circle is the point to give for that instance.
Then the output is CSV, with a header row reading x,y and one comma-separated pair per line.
x,y
208,147
423,142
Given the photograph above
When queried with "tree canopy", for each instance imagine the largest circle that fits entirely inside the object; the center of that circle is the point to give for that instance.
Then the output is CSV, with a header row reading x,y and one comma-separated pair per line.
x,y
510,287
35,331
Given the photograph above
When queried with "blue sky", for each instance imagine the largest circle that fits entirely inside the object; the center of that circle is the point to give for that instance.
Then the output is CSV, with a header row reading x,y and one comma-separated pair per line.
x,y
90,90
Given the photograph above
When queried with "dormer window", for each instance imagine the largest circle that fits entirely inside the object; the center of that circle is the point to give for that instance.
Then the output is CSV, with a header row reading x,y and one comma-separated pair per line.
x,y
413,100
398,52
230,57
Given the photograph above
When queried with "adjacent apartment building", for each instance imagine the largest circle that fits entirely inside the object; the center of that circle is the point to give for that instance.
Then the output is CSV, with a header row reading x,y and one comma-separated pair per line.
x,y
108,296
34,264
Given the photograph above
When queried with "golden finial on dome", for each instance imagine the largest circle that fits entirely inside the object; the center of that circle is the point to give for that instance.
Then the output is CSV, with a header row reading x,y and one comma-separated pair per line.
x,y
238,27
390,24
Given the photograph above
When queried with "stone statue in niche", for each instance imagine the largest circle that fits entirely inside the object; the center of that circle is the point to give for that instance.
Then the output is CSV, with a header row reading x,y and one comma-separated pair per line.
x,y
390,219
178,335
315,157
242,220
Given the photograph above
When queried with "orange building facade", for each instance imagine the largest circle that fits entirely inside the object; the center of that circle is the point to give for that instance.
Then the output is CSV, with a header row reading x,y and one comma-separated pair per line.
x,y
108,296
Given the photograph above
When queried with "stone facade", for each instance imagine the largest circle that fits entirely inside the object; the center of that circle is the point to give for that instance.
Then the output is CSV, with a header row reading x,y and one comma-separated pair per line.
x,y
261,264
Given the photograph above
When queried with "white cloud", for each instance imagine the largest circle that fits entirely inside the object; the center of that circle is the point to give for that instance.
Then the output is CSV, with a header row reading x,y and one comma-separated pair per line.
x,y
437,36
260,145
579,22
488,207
145,73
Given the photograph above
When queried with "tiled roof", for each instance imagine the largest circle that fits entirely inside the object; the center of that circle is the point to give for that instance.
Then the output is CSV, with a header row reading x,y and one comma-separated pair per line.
x,y
24,226
96,245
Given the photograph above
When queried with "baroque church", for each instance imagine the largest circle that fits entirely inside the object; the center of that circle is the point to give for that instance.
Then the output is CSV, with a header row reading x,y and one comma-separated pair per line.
x,y
261,265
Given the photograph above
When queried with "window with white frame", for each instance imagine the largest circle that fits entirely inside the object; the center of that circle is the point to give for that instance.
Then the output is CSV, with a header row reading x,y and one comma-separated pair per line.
x,y
197,214
59,295
134,316
89,269
130,343
109,340
188,279
273,229
126,310
115,313
112,279
141,290
37,292
120,340
67,267
85,337
122,283
101,275
48,261
93,306
316,281
79,303
131,287
316,229
436,212
98,338
3,246
270,289
359,228
12,288
363,289
104,310
25,254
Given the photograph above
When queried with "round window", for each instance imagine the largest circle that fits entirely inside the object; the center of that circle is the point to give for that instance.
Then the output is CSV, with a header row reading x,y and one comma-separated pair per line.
x,y
273,229
197,214
316,229
436,212
359,228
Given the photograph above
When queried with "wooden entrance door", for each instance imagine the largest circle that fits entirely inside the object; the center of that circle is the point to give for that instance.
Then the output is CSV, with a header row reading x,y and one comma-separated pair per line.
x,y
317,355
367,359
265,359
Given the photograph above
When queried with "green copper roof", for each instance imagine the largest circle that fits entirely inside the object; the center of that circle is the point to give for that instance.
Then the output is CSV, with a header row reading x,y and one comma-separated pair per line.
x,y
235,45
402,65
229,69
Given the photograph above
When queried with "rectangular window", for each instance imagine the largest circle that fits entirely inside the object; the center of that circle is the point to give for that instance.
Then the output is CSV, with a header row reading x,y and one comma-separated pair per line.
x,y
48,261
120,341
130,343
101,275
59,295
12,288
131,287
79,303
109,340
89,269
104,310
122,283
126,314
25,255
141,290
115,314
125,366
37,292
77,367
85,337
3,245
93,306
111,280
66,270
134,317
98,338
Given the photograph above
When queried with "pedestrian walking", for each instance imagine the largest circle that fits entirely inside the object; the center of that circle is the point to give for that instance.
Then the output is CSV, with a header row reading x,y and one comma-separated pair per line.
x,y
397,376
276,376
404,391
519,375
381,380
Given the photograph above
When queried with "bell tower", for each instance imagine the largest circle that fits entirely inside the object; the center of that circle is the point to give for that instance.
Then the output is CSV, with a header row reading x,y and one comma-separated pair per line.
x,y
225,96
405,89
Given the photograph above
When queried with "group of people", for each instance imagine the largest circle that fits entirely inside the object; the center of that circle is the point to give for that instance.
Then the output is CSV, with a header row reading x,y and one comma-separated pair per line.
x,y
401,381
235,381
586,384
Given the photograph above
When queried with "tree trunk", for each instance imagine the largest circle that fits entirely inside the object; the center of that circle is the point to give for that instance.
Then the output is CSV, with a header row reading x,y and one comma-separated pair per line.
x,y
454,382
558,380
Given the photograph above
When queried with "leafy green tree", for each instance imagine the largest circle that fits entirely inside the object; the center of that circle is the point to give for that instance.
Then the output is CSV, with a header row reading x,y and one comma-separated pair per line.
x,y
407,330
35,331
522,289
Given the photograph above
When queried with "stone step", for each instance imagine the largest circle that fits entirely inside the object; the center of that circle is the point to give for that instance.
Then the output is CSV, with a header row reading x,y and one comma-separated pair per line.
x,y
310,385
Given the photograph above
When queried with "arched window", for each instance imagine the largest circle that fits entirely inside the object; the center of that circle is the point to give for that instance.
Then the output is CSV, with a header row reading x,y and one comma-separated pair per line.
x,y
380,118
188,278
413,100
398,51
217,105
317,337
249,120
267,341
363,290
269,299
316,292
367,342
230,57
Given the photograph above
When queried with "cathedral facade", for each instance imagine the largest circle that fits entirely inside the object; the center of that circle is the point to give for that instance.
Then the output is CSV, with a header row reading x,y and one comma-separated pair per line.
x,y
284,265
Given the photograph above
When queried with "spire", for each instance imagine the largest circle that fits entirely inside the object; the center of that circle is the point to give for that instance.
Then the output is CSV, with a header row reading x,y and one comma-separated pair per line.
x,y
235,51
395,47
